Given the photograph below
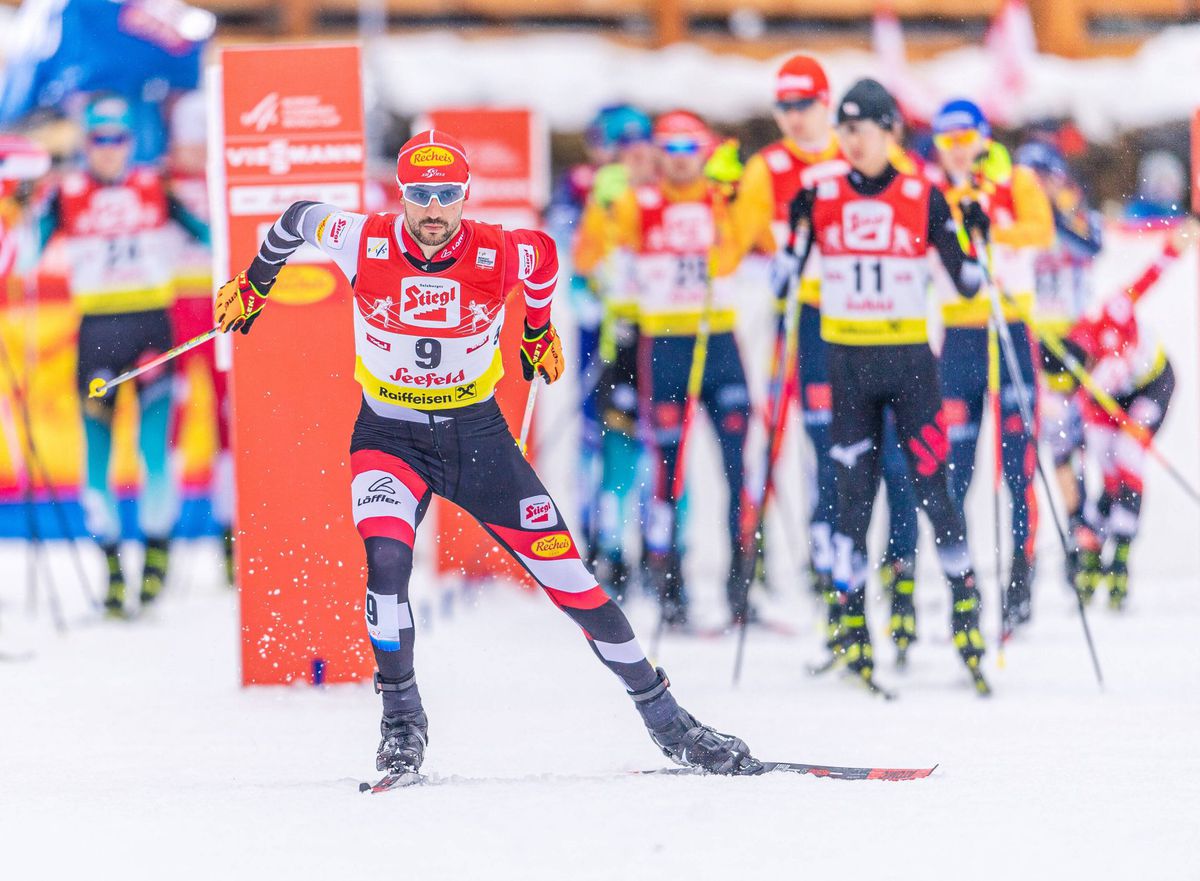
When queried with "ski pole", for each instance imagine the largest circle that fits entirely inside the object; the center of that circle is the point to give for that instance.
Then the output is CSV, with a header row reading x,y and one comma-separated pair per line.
x,y
60,514
1008,349
1110,406
98,387
997,474
527,419
791,341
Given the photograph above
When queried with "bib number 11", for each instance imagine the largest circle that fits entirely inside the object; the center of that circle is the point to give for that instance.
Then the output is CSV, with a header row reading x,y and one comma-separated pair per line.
x,y
859,273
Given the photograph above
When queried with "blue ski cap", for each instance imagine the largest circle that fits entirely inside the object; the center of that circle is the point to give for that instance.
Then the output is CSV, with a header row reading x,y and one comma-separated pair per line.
x,y
108,115
961,115
619,125
1042,157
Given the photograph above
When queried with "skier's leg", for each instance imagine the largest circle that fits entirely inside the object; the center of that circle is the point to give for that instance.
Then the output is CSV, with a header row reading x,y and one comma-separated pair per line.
x,y
1148,409
101,354
620,459
857,431
921,425
963,378
666,364
1018,459
503,492
816,409
898,571
158,505
727,399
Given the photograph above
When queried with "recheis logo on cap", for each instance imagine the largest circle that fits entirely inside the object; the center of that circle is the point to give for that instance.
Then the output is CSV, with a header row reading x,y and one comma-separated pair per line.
x,y
431,156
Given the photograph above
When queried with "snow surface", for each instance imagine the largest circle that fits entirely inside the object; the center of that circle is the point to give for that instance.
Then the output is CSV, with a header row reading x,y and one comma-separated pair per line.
x,y
568,76
127,750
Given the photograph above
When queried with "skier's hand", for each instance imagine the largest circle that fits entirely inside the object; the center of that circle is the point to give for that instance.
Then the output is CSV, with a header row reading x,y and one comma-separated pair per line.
x,y
724,166
237,304
784,267
541,351
975,219
800,211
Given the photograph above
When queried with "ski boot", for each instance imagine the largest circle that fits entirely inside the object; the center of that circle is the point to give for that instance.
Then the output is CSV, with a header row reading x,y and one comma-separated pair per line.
x,y
402,747
114,597
898,582
613,574
964,625
684,740
667,577
1087,571
1018,597
1117,573
833,614
229,564
154,571
856,639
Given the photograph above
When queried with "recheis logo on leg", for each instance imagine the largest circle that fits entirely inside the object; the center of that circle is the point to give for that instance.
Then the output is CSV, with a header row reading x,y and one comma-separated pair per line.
x,y
537,512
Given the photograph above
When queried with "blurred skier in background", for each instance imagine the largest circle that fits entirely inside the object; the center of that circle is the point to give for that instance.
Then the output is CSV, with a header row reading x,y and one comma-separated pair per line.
x,y
114,217
609,269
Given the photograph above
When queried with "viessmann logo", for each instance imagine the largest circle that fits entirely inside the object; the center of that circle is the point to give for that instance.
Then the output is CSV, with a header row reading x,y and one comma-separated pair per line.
x,y
280,156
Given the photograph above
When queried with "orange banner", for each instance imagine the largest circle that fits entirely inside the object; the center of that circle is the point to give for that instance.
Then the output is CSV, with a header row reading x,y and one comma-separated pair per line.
x,y
293,130
510,172
1196,161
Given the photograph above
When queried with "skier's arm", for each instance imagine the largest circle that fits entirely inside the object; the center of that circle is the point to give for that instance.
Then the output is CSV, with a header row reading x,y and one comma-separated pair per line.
x,y
324,226
1033,223
751,211
192,225
531,264
964,271
1080,230
595,239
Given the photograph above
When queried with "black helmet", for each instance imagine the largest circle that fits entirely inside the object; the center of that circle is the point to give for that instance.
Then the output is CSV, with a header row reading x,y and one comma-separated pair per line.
x,y
867,99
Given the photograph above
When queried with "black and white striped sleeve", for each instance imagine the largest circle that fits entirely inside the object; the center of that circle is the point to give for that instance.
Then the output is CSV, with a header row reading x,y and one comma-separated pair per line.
x,y
324,226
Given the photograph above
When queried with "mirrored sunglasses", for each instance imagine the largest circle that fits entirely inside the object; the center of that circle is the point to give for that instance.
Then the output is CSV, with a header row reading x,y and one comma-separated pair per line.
x,y
967,137
423,194
109,140
680,146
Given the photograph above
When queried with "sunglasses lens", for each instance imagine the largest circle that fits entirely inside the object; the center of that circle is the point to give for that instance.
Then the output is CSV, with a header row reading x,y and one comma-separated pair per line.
x,y
108,140
801,104
965,138
446,194
680,147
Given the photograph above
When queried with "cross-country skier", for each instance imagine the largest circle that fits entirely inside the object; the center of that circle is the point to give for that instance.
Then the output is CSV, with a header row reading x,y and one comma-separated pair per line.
x,y
807,153
1129,363
682,245
114,218
1022,224
609,269
1064,277
429,424
875,227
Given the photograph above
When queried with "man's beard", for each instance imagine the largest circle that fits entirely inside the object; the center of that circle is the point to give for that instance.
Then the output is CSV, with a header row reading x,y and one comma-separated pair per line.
x,y
431,239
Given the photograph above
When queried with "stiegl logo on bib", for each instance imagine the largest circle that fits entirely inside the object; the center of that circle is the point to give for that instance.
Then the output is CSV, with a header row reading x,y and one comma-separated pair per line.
x,y
867,225
430,302
537,512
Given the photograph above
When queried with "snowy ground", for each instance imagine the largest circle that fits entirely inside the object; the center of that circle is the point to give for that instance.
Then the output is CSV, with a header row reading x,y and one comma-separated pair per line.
x,y
129,751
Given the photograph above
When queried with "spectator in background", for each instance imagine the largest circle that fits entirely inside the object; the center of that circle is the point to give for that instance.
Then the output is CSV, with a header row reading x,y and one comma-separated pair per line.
x,y
1161,188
